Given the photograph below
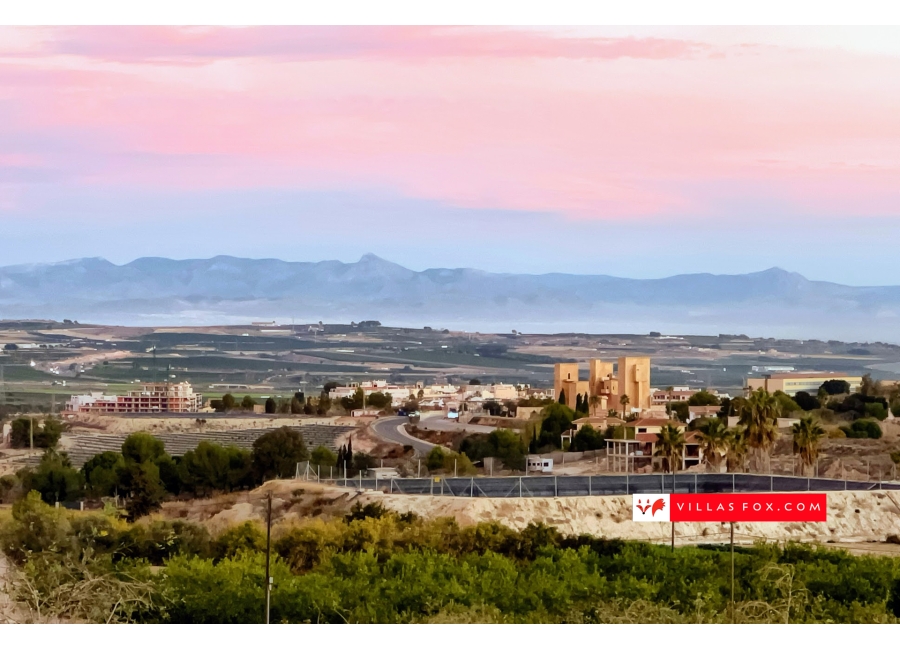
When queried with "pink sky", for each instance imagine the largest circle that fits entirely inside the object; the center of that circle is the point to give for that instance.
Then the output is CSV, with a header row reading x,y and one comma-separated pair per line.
x,y
641,125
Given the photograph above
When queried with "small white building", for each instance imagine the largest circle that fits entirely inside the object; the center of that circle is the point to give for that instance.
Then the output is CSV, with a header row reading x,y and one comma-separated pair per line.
x,y
537,464
382,473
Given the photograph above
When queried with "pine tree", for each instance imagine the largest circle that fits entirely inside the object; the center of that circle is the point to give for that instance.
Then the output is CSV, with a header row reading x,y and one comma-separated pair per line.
x,y
578,404
562,397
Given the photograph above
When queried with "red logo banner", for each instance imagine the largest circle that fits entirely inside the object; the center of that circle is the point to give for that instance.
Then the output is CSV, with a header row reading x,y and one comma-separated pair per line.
x,y
792,506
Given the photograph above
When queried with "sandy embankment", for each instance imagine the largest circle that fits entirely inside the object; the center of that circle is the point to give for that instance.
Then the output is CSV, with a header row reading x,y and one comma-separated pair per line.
x,y
91,423
853,517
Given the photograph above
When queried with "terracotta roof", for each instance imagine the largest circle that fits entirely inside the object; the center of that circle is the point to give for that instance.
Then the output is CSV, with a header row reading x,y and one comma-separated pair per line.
x,y
596,419
651,422
705,409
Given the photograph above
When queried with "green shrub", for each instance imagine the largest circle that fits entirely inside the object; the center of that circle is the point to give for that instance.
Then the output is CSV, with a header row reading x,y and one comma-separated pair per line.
x,y
245,538
863,428
876,410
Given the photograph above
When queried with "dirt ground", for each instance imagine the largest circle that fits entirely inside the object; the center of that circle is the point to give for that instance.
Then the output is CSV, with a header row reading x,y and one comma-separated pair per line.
x,y
368,443
858,521
91,423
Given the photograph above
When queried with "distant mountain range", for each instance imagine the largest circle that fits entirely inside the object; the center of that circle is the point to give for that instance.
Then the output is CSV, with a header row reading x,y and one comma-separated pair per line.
x,y
222,290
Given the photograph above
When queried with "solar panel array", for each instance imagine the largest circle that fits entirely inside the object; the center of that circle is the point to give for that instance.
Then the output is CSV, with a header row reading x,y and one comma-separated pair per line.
x,y
84,446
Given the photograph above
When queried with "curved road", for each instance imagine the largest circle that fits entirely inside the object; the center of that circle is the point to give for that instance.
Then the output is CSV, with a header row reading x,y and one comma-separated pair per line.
x,y
437,422
391,429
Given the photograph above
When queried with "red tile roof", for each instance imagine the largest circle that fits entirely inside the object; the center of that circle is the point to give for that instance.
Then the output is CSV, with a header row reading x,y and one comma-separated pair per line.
x,y
651,422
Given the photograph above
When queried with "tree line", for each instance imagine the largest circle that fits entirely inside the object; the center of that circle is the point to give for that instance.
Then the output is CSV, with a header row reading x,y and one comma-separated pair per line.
x,y
377,566
143,473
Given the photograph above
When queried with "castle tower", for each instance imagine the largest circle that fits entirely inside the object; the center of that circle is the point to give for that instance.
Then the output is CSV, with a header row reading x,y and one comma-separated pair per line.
x,y
634,381
603,384
565,378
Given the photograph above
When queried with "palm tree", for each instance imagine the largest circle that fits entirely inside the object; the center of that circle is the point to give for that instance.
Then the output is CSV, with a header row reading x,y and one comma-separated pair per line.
x,y
737,448
807,433
759,419
595,402
623,400
713,439
670,447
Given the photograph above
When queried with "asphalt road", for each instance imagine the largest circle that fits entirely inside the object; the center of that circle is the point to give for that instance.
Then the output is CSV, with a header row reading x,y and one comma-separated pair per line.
x,y
437,422
550,486
391,429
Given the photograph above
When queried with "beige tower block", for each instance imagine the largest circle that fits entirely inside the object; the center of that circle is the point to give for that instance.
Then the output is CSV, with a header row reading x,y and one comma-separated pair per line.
x,y
603,384
634,381
565,378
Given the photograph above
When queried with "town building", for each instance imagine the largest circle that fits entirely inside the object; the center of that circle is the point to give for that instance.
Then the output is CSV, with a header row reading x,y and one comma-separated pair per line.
x,y
605,386
537,464
636,451
678,394
150,398
597,422
399,394
793,382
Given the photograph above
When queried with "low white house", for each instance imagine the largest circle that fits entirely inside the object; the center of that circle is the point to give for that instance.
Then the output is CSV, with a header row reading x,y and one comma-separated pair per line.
x,y
537,464
382,473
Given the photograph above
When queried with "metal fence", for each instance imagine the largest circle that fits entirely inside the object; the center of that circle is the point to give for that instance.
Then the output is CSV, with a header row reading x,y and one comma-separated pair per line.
x,y
597,485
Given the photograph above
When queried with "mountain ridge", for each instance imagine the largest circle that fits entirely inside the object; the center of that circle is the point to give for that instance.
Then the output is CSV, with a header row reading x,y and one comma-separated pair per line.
x,y
235,288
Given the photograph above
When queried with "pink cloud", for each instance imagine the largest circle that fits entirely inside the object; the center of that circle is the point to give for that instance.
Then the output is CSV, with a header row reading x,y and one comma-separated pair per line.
x,y
141,44
587,127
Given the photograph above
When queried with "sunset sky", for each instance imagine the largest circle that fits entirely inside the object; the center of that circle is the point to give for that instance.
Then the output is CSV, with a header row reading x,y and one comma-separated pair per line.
x,y
639,152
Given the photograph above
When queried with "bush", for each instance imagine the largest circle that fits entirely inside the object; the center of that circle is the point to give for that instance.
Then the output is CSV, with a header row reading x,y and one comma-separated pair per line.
x,y
8,485
703,398
55,478
876,410
588,439
503,444
806,401
276,454
45,436
101,473
835,387
212,467
786,405
375,566
441,459
246,538
681,410
862,429
141,447
142,488
435,459
557,419
35,527
362,462
322,457
372,510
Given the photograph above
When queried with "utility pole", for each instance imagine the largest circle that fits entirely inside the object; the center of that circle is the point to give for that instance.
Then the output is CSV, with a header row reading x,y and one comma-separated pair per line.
x,y
673,492
268,551
732,572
